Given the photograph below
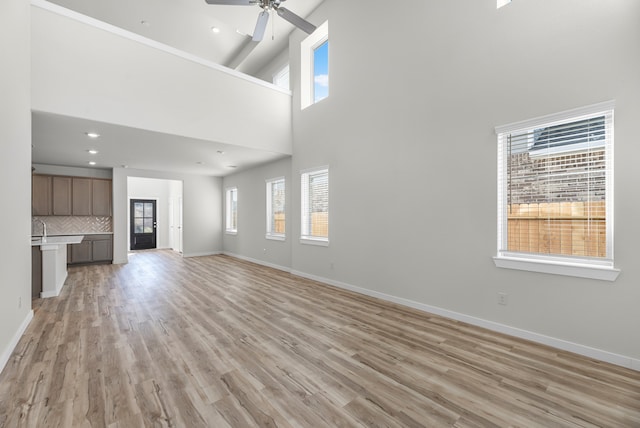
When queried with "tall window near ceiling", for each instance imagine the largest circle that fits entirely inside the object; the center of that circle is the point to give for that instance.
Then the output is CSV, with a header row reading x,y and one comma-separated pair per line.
x,y
314,66
555,192
231,211
314,228
321,72
275,209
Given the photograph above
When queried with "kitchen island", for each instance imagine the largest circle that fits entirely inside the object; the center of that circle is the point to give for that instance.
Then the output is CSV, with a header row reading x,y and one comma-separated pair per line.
x,y
52,262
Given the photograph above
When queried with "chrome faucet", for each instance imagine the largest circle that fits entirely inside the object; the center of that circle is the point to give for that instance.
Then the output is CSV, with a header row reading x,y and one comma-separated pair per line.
x,y
44,230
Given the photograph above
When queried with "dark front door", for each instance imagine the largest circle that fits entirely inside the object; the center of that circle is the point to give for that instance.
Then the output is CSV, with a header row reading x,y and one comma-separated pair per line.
x,y
143,224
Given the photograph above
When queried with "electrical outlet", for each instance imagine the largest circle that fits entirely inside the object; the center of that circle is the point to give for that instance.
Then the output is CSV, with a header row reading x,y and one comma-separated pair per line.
x,y
502,298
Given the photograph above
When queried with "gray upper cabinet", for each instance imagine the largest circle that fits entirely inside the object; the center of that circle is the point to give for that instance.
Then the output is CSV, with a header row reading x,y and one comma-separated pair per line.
x,y
66,196
61,199
41,195
101,198
82,196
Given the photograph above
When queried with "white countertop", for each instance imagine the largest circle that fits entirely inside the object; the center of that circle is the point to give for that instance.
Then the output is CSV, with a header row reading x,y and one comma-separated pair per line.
x,y
56,240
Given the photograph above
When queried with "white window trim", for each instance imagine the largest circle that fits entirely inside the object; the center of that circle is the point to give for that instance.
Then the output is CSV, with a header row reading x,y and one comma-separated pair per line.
x,y
320,242
602,269
306,239
307,48
269,234
227,229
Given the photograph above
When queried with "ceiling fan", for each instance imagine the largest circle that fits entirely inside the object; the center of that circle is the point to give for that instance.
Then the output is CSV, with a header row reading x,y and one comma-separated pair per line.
x,y
263,18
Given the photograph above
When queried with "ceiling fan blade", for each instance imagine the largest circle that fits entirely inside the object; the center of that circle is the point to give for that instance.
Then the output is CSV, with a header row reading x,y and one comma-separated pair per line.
x,y
232,2
261,26
287,15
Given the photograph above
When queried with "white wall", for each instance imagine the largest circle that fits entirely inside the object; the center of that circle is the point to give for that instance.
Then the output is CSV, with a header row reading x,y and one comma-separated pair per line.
x,y
15,176
250,241
83,71
407,132
162,192
202,212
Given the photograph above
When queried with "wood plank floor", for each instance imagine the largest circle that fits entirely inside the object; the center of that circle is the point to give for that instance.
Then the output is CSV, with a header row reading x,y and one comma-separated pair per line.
x,y
214,341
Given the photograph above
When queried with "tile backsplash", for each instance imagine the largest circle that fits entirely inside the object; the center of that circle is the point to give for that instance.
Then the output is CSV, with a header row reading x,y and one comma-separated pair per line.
x,y
68,225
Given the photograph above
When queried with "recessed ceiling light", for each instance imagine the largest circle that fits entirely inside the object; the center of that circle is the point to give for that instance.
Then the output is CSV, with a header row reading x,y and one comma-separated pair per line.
x,y
200,163
215,30
145,23
92,163
220,152
92,134
92,152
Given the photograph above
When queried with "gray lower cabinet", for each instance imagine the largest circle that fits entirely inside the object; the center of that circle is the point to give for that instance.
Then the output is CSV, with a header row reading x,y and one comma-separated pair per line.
x,y
92,249
36,272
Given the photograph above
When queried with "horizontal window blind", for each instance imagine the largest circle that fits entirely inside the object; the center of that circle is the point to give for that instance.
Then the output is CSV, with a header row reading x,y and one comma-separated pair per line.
x,y
276,207
556,182
232,210
315,204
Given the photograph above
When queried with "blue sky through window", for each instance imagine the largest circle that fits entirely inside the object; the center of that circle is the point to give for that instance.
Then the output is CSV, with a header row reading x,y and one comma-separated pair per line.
x,y
321,72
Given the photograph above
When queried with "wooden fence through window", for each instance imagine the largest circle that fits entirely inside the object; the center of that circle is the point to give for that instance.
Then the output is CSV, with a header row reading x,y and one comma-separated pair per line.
x,y
565,228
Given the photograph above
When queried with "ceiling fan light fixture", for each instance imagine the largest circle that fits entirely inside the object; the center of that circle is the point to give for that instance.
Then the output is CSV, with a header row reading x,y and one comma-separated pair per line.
x,y
92,134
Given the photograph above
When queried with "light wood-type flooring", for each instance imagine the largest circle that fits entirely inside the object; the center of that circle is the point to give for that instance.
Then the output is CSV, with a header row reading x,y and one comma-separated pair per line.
x,y
218,342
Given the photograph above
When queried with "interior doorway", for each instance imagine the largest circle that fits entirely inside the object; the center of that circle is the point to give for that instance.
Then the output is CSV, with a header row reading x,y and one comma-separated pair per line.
x,y
143,224
167,195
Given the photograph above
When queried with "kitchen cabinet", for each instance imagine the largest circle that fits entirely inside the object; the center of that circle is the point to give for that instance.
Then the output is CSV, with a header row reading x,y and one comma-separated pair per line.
x,y
82,196
41,192
92,249
61,195
101,197
36,272
70,196
79,253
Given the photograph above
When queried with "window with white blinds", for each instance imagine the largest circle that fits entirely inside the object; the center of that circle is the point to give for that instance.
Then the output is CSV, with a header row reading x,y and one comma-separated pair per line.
x,y
275,209
555,188
315,206
231,210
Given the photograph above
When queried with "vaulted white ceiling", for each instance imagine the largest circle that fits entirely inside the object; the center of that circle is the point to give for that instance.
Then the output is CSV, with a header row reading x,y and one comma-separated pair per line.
x,y
187,24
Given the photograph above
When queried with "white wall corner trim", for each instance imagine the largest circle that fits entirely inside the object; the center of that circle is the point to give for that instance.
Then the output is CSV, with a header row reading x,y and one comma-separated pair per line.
x,y
6,354
258,262
598,354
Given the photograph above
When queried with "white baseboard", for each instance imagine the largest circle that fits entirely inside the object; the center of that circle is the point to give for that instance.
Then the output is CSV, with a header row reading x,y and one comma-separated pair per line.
x,y
6,354
258,262
598,354
208,253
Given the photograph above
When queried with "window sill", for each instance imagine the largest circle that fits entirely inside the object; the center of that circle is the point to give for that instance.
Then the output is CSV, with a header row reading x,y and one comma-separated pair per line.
x,y
275,237
322,242
231,232
581,270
